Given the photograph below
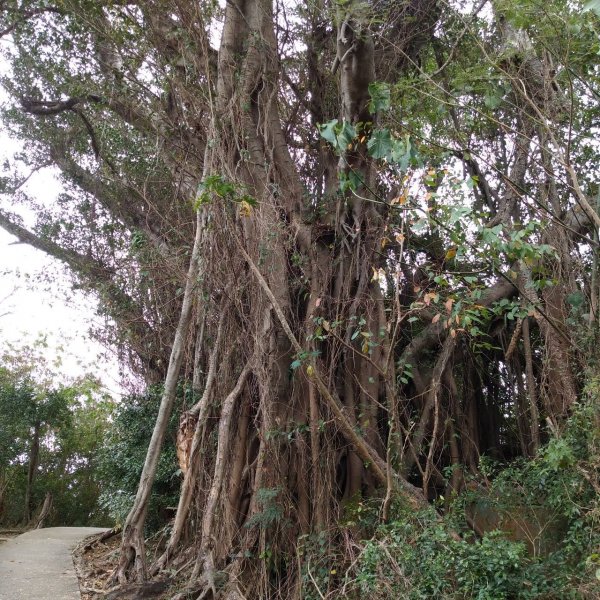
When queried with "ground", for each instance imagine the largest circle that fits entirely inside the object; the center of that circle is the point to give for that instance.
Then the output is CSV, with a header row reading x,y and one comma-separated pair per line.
x,y
38,564
95,560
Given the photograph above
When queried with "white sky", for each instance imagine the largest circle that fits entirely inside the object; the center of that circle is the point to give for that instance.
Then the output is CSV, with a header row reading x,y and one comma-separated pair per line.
x,y
36,300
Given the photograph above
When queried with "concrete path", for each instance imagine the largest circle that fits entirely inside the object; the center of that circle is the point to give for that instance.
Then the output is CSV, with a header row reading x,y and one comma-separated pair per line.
x,y
38,564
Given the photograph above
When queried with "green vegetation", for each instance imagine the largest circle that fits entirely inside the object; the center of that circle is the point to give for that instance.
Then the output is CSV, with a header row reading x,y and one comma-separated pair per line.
x,y
543,544
50,436
121,458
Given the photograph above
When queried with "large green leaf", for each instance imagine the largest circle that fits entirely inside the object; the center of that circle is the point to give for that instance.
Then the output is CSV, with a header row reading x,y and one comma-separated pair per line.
x,y
380,144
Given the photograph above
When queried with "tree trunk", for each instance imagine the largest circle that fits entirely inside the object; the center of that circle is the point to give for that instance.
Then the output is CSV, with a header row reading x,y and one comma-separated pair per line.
x,y
44,512
34,455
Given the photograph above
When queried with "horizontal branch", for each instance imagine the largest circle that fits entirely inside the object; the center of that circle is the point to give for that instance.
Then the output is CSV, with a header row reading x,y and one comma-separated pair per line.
x,y
101,278
435,333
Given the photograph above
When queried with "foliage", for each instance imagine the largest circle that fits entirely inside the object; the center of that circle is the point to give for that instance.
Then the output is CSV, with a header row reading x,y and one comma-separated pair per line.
x,y
270,510
420,556
122,456
58,427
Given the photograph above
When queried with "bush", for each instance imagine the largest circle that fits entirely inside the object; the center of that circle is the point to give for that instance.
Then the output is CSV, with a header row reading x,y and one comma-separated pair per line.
x,y
122,459
419,555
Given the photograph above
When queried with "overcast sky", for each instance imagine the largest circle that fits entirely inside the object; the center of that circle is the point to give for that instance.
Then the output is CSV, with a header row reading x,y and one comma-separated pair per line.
x,y
36,300
35,295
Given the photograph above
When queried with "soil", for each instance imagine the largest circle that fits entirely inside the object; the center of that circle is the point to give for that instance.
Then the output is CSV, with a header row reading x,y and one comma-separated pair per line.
x,y
95,559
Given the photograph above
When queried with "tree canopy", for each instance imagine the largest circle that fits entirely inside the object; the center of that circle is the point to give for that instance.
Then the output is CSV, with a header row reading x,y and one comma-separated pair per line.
x,y
50,435
365,233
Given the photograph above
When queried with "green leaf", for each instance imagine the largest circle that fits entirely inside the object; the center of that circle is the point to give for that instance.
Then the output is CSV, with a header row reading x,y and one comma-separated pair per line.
x,y
380,144
346,135
328,133
350,181
492,100
339,136
420,226
380,97
576,299
402,152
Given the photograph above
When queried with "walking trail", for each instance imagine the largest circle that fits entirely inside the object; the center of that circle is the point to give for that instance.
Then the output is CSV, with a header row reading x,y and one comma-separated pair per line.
x,y
38,564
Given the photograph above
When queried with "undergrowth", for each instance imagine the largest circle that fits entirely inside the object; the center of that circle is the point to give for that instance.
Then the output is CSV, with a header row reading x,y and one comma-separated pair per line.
x,y
545,543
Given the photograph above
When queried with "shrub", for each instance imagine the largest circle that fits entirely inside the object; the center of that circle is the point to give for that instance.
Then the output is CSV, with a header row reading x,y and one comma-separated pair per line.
x,y
420,556
123,455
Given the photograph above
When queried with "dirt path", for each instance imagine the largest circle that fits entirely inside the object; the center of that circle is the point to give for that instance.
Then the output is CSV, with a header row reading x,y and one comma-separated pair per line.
x,y
38,564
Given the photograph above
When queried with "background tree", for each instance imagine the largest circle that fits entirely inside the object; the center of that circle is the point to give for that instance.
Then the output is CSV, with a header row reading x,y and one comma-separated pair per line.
x,y
50,436
121,458
364,231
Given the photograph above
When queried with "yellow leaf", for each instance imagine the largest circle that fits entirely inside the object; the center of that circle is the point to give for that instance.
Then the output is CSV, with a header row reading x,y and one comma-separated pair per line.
x,y
399,199
326,326
245,209
453,333
451,253
448,304
399,237
384,242
310,371
365,347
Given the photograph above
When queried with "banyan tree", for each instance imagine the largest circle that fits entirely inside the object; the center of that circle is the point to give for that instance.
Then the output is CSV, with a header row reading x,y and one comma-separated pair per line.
x,y
364,232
